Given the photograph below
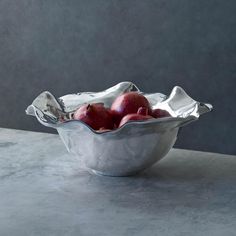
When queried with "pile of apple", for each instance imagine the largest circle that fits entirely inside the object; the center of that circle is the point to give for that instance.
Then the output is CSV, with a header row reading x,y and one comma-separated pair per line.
x,y
130,106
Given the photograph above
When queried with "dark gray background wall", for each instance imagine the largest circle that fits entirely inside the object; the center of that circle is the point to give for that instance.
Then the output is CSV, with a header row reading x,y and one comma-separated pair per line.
x,y
71,46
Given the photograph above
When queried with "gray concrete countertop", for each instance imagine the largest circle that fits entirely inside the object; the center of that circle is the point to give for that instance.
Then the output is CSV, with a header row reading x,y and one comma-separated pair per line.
x,y
43,192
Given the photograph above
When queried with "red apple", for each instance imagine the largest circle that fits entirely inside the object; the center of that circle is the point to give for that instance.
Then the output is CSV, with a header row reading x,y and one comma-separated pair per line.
x,y
128,103
134,117
95,115
159,113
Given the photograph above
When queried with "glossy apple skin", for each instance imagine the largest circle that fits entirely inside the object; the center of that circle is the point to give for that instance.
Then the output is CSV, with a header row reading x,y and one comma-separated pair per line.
x,y
128,103
159,113
95,115
134,117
